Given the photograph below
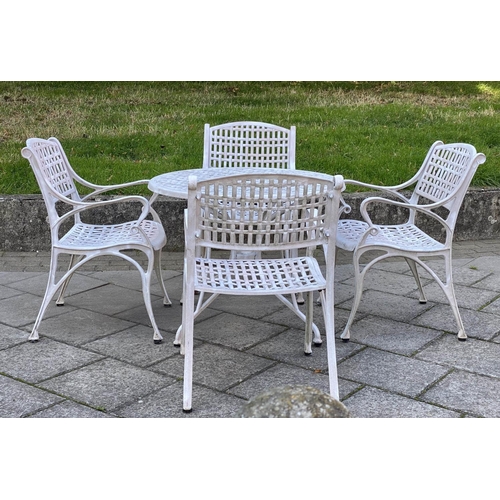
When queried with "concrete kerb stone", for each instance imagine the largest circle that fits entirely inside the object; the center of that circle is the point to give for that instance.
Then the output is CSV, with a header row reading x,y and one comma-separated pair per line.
x,y
24,228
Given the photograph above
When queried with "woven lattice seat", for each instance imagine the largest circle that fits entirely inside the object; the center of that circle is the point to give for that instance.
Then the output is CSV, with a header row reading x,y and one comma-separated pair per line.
x,y
260,212
259,277
404,236
439,189
83,241
91,237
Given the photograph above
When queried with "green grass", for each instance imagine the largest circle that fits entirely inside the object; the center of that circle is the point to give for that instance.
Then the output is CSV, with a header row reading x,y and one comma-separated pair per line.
x,y
377,132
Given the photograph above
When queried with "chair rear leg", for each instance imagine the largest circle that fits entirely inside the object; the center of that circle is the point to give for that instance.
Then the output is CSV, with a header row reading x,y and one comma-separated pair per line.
x,y
358,278
157,264
413,266
292,254
74,259
449,291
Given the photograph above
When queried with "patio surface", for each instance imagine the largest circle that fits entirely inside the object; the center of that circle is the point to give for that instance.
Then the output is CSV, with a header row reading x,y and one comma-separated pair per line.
x,y
96,356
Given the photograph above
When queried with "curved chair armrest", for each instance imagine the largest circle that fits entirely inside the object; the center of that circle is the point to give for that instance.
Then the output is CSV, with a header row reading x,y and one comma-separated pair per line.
x,y
98,189
392,190
426,209
82,206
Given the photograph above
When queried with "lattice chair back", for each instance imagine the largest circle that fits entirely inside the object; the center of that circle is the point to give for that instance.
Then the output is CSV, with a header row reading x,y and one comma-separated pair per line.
x,y
54,174
273,211
445,177
249,144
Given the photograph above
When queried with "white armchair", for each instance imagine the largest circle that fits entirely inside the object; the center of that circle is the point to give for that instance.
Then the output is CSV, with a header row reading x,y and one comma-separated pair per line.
x,y
439,189
82,241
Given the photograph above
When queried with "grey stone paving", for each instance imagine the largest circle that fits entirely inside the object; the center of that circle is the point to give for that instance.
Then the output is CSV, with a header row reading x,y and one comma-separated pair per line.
x,y
96,357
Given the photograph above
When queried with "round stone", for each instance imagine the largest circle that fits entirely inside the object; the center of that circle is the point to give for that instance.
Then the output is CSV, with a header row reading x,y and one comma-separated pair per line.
x,y
294,402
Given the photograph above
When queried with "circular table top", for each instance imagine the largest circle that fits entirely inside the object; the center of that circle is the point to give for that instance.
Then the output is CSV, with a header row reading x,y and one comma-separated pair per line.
x,y
175,184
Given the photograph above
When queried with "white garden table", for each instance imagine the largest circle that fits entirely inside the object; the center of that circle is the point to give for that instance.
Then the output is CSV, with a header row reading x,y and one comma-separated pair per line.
x,y
175,184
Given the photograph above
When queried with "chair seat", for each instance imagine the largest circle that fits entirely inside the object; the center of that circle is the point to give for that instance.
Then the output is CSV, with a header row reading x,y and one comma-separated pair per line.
x,y
254,277
401,236
88,237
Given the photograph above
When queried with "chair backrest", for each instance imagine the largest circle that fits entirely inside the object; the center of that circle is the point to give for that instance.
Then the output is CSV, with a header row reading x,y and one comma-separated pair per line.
x,y
263,211
55,176
249,144
445,176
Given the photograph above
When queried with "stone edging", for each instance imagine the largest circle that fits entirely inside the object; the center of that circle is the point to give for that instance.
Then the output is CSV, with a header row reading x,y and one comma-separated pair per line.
x,y
24,229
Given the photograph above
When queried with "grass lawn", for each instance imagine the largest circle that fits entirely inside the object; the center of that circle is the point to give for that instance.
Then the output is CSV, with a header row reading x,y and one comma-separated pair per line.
x,y
377,132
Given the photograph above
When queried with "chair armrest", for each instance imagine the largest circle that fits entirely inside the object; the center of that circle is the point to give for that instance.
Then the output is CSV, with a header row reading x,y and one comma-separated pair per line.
x,y
98,189
426,209
82,206
392,190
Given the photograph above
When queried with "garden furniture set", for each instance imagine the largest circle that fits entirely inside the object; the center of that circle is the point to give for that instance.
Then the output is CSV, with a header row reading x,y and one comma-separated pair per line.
x,y
252,225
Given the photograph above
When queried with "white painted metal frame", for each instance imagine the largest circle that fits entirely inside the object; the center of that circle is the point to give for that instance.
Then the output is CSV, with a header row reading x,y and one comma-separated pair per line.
x,y
260,212
439,189
57,181
249,144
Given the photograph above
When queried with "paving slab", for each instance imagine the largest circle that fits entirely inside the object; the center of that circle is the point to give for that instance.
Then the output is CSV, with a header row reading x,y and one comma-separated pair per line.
x,y
375,403
388,305
477,324
34,362
167,403
288,347
22,309
216,366
135,345
80,326
18,399
6,292
390,335
70,409
168,318
468,297
474,355
10,336
467,392
237,332
38,283
281,375
107,384
387,281
392,372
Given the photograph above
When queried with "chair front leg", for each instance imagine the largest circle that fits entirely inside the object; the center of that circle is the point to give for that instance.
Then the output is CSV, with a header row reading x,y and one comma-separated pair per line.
x,y
329,315
309,323
50,291
186,338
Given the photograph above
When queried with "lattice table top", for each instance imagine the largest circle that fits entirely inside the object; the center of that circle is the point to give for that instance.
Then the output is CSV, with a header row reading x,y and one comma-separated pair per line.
x,y
175,184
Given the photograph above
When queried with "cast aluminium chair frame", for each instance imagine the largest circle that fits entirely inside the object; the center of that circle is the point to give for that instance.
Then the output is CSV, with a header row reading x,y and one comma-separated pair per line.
x,y
260,212
251,144
440,186
57,181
